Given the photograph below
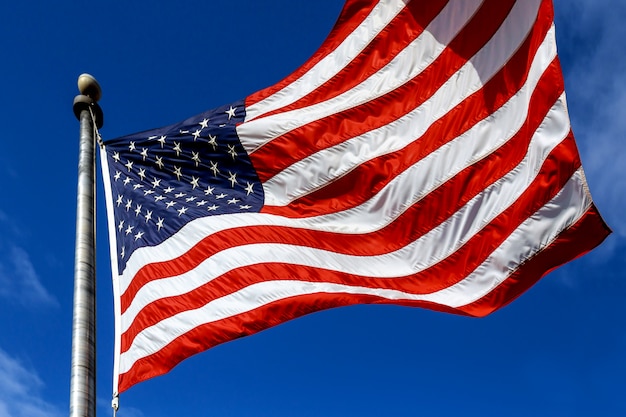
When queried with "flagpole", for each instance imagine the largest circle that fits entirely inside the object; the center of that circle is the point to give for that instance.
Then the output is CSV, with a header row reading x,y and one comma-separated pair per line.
x,y
83,372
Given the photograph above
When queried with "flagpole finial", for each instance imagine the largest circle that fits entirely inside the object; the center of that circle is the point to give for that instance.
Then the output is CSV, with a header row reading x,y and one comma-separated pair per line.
x,y
90,93
88,86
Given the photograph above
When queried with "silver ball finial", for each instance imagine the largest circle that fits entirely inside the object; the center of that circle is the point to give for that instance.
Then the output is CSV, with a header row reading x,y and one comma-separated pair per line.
x,y
88,86
90,93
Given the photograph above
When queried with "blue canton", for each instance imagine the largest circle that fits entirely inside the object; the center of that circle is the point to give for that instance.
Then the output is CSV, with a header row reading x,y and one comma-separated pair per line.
x,y
164,178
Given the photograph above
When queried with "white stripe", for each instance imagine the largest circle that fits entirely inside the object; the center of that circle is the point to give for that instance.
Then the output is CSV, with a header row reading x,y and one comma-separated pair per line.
x,y
321,168
546,224
419,255
380,16
104,164
536,233
416,57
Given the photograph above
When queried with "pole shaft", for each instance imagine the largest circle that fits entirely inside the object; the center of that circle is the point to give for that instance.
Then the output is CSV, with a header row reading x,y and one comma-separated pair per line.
x,y
83,373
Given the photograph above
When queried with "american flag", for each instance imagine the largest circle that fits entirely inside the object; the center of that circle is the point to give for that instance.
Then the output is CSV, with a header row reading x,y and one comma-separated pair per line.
x,y
423,156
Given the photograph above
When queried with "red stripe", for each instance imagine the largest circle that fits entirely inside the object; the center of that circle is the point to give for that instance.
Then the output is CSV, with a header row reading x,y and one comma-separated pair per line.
x,y
352,15
555,172
428,212
209,335
401,31
572,243
287,149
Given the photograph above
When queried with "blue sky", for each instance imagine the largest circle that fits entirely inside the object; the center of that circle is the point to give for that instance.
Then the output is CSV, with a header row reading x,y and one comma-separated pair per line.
x,y
559,350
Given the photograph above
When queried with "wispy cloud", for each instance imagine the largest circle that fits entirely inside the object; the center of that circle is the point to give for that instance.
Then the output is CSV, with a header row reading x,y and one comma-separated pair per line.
x,y
19,281
20,391
594,32
104,409
7,227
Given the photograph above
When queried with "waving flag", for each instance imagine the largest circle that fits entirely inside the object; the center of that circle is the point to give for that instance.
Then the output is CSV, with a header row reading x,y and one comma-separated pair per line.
x,y
422,157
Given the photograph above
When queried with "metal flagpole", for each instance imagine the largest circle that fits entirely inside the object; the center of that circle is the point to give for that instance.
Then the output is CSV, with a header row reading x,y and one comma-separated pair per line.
x,y
83,375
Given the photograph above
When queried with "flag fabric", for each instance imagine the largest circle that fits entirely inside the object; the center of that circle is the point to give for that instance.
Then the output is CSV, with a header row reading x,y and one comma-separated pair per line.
x,y
423,156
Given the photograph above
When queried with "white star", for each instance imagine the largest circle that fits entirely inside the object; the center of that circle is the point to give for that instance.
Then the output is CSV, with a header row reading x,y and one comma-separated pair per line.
x,y
168,190
131,147
232,178
159,223
148,215
176,148
209,190
213,141
158,198
177,172
161,140
129,204
212,208
127,180
231,112
120,226
194,182
122,254
233,201
249,189
196,157
129,229
142,174
119,200
204,123
144,153
196,134
138,210
232,151
148,192
159,162
138,235
136,186
180,195
156,182
214,168
181,211
201,203
219,197
170,204
117,175
246,207
129,165
183,132
116,156
190,199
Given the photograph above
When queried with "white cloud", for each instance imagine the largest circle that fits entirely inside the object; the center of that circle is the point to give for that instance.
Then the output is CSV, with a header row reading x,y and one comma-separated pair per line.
x,y
20,391
104,409
591,36
7,225
132,412
19,281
